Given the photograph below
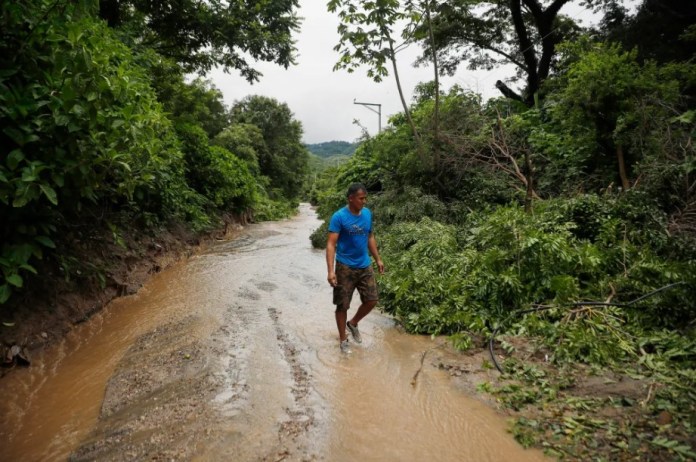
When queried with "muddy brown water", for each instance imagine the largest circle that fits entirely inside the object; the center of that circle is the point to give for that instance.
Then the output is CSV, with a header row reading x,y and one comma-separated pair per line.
x,y
233,355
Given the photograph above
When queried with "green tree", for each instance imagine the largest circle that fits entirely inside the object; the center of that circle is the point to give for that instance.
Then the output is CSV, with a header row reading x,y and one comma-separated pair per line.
x,y
285,159
201,35
661,30
244,141
197,102
612,105
368,37
230,184
82,134
487,33
215,172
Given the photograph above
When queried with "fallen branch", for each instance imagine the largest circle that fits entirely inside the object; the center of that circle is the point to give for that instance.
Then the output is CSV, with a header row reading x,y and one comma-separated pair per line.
x,y
651,391
415,376
583,307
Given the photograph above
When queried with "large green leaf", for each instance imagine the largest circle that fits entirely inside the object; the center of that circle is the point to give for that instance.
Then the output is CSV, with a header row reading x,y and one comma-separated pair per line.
x,y
5,292
15,279
45,241
50,193
14,158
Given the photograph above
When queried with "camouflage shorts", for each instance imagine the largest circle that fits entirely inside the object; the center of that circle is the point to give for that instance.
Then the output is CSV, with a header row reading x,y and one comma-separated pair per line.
x,y
350,279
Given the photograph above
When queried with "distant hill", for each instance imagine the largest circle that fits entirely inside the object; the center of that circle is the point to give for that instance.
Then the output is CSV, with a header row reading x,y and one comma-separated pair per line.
x,y
332,148
319,164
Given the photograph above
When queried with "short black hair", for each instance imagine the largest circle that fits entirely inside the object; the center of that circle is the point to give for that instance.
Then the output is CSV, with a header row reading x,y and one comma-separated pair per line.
x,y
356,188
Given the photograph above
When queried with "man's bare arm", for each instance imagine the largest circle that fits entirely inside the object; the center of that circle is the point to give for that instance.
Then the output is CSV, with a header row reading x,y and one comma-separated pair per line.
x,y
331,257
372,247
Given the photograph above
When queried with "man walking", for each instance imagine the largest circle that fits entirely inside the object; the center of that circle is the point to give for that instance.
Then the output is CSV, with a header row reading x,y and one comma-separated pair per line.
x,y
350,239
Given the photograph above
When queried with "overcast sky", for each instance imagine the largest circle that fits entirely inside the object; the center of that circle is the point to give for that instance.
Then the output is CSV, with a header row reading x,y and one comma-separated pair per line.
x,y
323,99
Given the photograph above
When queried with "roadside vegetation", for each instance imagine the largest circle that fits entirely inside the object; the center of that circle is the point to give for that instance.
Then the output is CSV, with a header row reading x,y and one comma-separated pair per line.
x,y
560,217
104,132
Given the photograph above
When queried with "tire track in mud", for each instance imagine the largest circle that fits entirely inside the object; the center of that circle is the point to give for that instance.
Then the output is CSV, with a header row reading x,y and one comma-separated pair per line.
x,y
293,431
229,349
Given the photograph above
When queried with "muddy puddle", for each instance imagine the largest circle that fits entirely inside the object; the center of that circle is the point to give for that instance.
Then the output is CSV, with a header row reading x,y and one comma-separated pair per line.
x,y
232,355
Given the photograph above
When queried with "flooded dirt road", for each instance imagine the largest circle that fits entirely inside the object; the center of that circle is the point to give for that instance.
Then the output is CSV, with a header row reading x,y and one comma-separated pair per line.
x,y
233,355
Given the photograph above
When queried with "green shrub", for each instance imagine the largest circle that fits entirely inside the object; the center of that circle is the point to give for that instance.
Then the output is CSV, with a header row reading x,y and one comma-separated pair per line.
x,y
214,172
319,236
331,201
443,279
81,130
267,209
230,185
409,204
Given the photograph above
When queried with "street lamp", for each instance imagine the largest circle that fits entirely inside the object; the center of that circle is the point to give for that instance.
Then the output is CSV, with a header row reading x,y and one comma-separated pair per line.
x,y
378,112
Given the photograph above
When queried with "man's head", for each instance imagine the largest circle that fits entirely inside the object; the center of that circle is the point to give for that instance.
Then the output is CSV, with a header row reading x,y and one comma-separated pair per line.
x,y
357,197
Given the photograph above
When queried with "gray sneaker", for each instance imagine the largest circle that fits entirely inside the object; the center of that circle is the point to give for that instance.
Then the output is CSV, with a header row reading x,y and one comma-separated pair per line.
x,y
345,347
355,332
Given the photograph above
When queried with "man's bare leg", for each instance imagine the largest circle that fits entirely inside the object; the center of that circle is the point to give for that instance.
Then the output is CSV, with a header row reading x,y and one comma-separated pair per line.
x,y
341,317
363,311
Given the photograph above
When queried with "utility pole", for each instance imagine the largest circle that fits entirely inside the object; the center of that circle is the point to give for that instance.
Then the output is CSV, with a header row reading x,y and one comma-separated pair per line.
x,y
378,111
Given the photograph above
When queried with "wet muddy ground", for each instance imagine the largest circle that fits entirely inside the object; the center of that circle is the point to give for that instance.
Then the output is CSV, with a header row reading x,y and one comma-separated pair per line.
x,y
233,355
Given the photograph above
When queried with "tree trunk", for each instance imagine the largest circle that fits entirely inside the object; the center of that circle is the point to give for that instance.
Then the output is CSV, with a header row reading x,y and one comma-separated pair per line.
x,y
436,72
507,91
544,19
436,121
622,167
392,57
110,11
527,50
530,182
537,69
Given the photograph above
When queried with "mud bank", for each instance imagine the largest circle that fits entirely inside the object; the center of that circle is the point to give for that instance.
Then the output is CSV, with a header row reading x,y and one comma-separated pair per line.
x,y
51,305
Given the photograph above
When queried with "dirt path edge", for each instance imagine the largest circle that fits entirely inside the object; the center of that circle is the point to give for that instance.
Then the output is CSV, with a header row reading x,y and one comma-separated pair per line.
x,y
52,304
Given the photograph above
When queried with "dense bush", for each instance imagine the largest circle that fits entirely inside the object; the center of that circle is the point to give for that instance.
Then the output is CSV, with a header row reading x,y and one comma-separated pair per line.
x,y
444,278
244,141
214,172
81,129
501,262
408,205
267,209
319,236
230,184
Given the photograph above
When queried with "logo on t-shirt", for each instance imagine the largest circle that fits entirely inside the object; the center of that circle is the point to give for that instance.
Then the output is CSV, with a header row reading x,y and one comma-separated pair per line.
x,y
356,230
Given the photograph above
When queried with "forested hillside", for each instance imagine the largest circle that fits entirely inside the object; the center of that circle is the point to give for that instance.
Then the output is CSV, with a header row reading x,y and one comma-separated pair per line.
x,y
557,221
332,148
106,140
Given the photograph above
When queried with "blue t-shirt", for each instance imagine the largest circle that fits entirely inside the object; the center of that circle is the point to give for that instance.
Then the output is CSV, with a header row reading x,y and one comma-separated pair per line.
x,y
353,232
